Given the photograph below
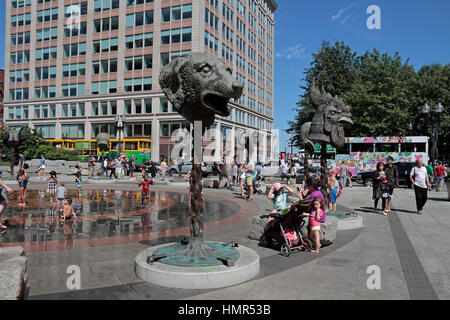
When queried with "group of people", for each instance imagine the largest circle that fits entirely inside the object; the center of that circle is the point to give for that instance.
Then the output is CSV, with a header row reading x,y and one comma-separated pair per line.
x,y
238,174
312,191
437,174
119,167
386,179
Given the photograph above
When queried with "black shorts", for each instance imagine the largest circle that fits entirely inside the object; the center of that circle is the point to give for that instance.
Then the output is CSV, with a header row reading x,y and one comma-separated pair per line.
x,y
391,191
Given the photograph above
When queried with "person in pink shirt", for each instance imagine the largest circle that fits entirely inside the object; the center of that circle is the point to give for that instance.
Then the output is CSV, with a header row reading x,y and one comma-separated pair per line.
x,y
314,222
440,175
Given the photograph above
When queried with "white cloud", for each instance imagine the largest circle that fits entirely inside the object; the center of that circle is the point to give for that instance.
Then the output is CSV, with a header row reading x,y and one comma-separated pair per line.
x,y
295,52
336,17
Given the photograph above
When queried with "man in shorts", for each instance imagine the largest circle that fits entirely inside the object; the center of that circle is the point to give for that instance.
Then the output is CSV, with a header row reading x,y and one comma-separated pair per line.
x,y
41,167
392,181
441,172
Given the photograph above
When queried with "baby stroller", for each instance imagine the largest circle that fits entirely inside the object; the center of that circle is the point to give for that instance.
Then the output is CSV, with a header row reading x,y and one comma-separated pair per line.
x,y
286,230
257,178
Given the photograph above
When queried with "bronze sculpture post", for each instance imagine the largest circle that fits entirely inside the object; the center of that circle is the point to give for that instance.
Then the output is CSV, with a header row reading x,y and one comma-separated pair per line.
x,y
199,86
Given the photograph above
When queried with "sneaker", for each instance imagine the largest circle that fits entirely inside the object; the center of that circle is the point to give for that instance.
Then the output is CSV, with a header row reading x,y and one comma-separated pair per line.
x,y
420,212
385,212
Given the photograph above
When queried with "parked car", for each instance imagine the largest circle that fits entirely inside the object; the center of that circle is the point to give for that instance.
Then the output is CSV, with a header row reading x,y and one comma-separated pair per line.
x,y
404,169
301,173
187,166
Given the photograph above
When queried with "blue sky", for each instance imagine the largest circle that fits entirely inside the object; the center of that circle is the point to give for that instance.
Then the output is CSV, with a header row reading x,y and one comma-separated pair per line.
x,y
419,30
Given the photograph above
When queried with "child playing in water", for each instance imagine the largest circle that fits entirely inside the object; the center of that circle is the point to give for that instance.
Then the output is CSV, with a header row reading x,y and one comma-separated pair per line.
x,y
145,188
314,222
68,210
62,191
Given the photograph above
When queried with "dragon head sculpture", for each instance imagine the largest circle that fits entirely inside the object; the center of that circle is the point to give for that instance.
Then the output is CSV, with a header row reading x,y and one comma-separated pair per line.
x,y
330,120
199,86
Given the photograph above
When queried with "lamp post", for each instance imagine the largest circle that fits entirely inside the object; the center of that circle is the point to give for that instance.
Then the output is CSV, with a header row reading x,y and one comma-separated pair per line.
x,y
435,116
120,124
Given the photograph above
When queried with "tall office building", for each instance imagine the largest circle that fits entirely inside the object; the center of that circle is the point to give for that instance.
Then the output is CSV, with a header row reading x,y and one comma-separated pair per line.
x,y
73,65
2,94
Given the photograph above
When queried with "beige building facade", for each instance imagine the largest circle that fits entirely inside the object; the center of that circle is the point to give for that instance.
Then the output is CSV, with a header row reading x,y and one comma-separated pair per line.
x,y
72,66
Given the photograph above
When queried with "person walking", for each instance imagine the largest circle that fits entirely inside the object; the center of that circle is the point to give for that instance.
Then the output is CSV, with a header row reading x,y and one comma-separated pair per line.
x,y
79,181
419,179
284,171
112,168
3,200
441,173
163,168
250,169
91,166
292,174
132,167
392,181
23,182
430,172
343,172
380,187
105,167
41,167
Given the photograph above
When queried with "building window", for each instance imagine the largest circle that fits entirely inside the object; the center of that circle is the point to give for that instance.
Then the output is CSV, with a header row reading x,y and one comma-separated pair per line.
x,y
74,49
106,24
48,132
104,87
74,131
139,19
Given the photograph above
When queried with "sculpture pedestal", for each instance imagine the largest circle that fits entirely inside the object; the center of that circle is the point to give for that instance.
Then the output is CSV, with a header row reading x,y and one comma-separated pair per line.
x,y
245,268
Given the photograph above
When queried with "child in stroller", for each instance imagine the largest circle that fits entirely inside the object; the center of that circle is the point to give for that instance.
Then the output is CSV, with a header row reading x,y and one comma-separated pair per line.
x,y
285,228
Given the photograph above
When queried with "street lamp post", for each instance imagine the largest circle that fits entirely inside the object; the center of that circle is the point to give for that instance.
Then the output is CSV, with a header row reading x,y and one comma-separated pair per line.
x,y
120,124
435,116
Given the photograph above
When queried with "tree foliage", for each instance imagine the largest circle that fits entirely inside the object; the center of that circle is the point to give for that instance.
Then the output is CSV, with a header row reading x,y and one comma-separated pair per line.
x,y
32,145
385,94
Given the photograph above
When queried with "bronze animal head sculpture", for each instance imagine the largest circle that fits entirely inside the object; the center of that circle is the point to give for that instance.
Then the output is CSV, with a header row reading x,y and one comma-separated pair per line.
x,y
329,121
103,141
199,86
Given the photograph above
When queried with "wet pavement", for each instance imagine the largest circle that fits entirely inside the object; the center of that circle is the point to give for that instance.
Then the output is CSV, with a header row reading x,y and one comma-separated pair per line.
x,y
103,213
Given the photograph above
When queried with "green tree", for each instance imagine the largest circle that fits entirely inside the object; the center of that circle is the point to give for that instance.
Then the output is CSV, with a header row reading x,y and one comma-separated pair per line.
x,y
432,86
382,96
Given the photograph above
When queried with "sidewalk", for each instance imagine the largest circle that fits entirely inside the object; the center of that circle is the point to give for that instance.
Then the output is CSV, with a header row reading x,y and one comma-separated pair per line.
x,y
410,250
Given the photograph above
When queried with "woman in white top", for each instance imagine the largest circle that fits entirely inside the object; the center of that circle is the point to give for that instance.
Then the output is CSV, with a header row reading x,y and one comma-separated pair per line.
x,y
419,179
242,179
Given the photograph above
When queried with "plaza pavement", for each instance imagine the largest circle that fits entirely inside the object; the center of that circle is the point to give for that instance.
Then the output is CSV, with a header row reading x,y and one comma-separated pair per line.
x,y
410,250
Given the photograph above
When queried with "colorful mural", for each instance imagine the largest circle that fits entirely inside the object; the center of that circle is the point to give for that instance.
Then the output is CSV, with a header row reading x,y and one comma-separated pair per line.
x,y
379,140
367,161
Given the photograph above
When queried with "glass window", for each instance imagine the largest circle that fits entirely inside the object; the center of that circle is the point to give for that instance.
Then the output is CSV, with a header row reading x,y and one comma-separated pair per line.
x,y
176,35
148,105
165,14
148,39
148,61
165,37
149,17
139,19
130,20
147,83
129,42
176,13
128,85
187,34
127,107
